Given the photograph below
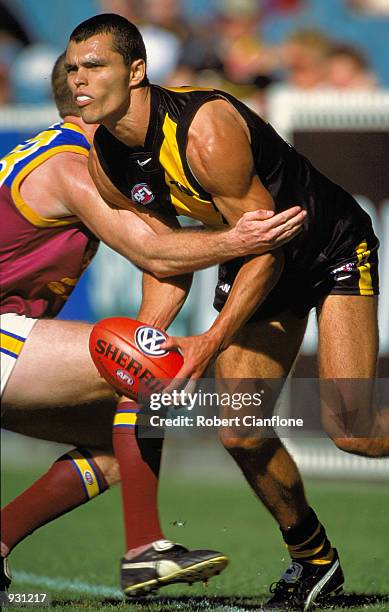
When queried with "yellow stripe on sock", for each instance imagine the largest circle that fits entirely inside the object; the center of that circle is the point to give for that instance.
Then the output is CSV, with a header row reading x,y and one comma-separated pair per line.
x,y
306,553
297,547
87,473
125,418
324,560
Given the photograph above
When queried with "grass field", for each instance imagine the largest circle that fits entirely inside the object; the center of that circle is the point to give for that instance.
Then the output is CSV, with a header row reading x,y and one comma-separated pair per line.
x,y
75,559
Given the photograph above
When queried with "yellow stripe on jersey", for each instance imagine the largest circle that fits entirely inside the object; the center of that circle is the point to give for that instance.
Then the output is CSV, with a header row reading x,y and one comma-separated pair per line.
x,y
125,418
20,203
365,280
188,89
86,472
76,128
188,205
22,151
11,344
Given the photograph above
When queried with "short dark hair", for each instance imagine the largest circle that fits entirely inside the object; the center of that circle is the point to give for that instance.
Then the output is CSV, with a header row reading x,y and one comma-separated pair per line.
x,y
126,38
62,95
352,53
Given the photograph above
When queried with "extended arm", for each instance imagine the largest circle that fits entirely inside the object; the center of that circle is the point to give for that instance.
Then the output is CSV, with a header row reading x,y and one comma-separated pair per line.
x,y
136,234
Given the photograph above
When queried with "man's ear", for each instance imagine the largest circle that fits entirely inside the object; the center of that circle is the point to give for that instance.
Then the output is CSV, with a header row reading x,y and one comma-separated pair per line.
x,y
138,72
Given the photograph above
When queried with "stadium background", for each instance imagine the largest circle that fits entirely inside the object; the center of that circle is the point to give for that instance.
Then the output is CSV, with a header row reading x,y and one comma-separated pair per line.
x,y
248,47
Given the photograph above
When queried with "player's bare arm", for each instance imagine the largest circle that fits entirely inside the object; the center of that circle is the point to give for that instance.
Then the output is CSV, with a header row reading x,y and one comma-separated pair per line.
x,y
256,232
235,189
163,299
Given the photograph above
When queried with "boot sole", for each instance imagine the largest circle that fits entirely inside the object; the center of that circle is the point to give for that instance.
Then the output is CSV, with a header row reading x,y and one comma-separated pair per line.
x,y
189,575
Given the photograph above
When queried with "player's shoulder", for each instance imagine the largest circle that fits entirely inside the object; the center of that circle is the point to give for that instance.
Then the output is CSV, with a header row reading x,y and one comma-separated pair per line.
x,y
70,133
37,150
64,175
216,112
60,135
217,124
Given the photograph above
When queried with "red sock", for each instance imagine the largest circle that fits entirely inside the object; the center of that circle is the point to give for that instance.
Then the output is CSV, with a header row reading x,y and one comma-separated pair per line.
x,y
139,461
71,481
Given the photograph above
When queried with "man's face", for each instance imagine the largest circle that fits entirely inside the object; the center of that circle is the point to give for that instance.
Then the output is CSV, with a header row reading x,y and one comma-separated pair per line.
x,y
99,79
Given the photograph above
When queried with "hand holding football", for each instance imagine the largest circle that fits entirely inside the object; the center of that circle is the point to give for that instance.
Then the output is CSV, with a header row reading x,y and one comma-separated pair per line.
x,y
128,354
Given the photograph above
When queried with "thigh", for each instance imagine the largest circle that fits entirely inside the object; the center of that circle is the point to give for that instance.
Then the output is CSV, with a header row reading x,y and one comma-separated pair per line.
x,y
348,336
55,369
259,361
263,349
348,349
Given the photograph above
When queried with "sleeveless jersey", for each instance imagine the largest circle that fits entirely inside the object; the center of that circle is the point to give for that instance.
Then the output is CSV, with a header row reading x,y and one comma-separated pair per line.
x,y
41,259
158,177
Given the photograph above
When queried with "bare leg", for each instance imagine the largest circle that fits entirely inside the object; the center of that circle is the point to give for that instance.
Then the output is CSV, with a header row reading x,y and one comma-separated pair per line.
x,y
348,351
55,378
267,350
55,393
55,369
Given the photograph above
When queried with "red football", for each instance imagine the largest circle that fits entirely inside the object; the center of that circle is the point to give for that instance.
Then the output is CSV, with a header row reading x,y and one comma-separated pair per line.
x,y
128,355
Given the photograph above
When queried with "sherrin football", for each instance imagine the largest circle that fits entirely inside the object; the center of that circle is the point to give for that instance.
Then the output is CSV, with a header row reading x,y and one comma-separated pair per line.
x,y
128,354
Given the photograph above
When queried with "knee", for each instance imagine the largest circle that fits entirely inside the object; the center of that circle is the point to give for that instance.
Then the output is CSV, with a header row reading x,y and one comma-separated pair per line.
x,y
237,443
101,391
110,469
366,447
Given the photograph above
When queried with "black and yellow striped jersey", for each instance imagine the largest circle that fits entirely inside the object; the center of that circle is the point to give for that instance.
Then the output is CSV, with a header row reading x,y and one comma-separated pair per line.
x,y
158,176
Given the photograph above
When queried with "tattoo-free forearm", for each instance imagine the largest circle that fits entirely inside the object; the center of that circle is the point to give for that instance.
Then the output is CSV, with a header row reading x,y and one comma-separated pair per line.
x,y
162,299
184,251
252,284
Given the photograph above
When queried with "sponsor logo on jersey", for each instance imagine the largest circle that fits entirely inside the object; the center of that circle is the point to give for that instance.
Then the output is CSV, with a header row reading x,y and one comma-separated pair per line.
x,y
142,194
149,341
144,162
225,287
89,477
124,377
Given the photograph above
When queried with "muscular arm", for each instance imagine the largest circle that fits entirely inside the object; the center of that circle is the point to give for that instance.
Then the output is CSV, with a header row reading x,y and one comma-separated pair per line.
x,y
162,300
136,234
235,188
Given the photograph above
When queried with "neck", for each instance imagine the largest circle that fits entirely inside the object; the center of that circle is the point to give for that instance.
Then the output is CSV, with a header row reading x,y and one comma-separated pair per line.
x,y
88,128
131,128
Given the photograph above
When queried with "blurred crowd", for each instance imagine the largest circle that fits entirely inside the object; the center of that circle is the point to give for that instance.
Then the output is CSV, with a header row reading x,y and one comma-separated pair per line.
x,y
221,46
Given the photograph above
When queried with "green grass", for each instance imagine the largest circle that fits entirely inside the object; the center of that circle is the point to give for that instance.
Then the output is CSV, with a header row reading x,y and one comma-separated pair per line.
x,y
85,545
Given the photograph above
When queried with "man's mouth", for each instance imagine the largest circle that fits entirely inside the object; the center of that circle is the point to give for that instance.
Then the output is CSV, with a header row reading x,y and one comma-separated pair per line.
x,y
83,100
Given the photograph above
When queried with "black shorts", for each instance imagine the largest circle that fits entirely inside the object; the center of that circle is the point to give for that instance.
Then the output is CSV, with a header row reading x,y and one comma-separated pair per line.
x,y
300,290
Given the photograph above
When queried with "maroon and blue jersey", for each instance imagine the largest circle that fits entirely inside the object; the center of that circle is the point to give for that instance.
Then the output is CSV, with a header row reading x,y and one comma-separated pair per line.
x,y
41,259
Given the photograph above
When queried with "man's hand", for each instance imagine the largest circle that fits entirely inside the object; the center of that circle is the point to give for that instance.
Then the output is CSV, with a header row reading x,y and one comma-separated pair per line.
x,y
262,230
197,351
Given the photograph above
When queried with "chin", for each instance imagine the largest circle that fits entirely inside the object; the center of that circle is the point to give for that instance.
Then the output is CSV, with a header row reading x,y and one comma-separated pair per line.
x,y
89,117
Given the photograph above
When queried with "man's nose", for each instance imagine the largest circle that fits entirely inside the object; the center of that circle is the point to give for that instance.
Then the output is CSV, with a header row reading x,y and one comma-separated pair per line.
x,y
81,77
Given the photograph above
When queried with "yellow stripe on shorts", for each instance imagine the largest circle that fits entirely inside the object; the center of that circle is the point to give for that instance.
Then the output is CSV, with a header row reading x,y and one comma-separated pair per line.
x,y
10,344
86,473
365,280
